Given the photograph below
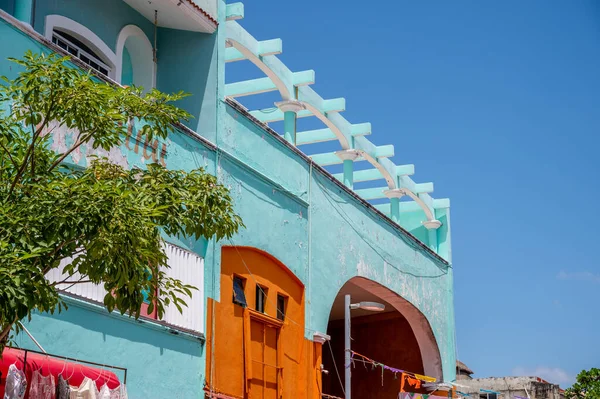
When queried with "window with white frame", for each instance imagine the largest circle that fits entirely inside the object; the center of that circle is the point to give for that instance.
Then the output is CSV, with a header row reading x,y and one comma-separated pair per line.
x,y
78,49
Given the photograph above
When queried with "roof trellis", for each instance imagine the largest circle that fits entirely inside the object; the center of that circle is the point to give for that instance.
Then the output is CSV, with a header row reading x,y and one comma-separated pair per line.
x,y
301,100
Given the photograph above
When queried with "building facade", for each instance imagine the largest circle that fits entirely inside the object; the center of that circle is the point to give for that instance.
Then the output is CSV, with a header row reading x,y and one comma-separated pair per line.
x,y
511,388
265,322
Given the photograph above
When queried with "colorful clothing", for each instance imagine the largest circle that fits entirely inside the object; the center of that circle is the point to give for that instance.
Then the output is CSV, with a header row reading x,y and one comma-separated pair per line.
x,y
16,383
42,387
87,390
107,393
62,388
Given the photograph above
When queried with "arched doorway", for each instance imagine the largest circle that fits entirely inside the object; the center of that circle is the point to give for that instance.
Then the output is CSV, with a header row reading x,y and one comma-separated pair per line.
x,y
399,337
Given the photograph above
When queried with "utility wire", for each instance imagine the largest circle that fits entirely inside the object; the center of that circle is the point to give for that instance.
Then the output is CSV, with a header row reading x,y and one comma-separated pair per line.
x,y
336,368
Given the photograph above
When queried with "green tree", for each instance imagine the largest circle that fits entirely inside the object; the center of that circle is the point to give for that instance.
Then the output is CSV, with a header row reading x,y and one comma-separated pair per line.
x,y
587,385
105,218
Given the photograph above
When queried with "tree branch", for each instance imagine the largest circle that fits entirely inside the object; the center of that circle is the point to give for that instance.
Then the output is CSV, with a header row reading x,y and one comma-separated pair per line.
x,y
6,330
69,151
58,248
73,282
36,134
9,156
26,158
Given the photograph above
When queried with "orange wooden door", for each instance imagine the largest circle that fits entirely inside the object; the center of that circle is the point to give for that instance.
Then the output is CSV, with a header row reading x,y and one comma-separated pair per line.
x,y
264,383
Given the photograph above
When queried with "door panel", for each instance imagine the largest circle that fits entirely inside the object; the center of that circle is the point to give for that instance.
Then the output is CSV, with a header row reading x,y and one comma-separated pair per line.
x,y
270,356
264,360
257,355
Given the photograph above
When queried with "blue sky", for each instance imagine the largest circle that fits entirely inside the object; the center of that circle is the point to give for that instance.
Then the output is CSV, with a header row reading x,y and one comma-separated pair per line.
x,y
497,103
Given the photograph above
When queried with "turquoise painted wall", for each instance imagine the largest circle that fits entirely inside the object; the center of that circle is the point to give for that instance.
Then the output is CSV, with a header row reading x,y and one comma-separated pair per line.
x,y
305,209
187,62
105,18
127,71
159,364
8,6
149,354
411,221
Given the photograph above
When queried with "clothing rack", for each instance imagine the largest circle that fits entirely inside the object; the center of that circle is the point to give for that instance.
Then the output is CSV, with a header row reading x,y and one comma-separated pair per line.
x,y
72,359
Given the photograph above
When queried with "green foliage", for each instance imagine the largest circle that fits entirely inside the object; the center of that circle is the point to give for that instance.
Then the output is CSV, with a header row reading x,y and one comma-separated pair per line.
x,y
587,385
105,219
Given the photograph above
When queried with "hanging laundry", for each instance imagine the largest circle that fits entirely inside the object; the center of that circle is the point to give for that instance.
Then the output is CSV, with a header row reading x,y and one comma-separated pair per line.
x,y
123,391
410,383
16,383
87,390
425,378
42,387
63,391
107,393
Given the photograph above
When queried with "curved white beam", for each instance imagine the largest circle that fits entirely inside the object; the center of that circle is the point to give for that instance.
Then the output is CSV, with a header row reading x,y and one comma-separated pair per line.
x,y
242,41
282,77
341,135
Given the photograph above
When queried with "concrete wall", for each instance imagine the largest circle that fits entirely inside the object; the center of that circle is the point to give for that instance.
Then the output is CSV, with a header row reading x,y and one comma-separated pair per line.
x,y
187,62
8,6
159,364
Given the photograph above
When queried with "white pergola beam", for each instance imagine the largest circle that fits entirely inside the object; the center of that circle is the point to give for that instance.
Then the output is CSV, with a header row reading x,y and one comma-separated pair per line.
x,y
375,174
379,192
269,115
264,48
330,158
321,135
265,85
405,207
234,11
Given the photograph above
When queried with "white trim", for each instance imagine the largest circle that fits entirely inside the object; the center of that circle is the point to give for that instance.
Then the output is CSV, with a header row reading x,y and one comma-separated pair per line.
x,y
144,45
348,155
196,15
290,106
85,35
320,338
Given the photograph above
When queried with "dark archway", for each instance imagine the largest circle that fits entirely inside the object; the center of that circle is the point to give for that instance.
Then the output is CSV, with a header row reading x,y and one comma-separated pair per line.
x,y
399,337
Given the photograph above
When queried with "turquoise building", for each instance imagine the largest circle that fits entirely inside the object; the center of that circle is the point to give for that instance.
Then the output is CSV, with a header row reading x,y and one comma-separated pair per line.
x,y
348,221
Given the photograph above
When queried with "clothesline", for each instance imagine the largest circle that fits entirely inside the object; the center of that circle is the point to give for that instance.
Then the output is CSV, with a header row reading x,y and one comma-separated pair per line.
x,y
71,359
42,372
392,369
